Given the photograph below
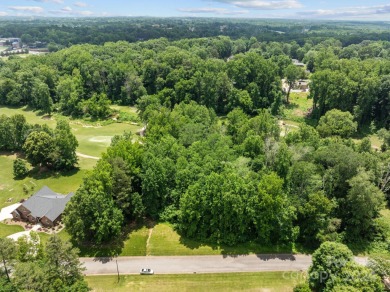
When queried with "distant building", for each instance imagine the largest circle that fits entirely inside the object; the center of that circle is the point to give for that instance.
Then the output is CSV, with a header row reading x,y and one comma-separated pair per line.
x,y
302,85
15,45
45,207
297,63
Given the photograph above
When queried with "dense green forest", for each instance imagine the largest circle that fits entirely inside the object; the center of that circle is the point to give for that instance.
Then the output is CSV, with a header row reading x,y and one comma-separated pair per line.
x,y
219,73
64,32
213,161
30,265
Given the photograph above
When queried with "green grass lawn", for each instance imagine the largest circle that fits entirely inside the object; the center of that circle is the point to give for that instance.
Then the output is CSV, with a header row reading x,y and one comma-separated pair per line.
x,y
131,244
93,138
266,282
136,243
165,241
6,230
14,189
298,107
375,141
62,234
378,247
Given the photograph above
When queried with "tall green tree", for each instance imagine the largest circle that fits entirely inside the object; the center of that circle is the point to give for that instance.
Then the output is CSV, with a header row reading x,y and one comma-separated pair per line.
x,y
327,261
292,74
38,147
365,200
65,144
336,122
92,215
62,262
8,252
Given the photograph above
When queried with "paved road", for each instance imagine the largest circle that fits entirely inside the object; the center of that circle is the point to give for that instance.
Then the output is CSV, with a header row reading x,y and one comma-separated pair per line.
x,y
196,264
199,264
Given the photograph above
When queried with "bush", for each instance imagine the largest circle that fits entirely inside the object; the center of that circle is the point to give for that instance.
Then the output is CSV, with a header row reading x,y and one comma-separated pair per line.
x,y
337,123
302,288
20,168
328,260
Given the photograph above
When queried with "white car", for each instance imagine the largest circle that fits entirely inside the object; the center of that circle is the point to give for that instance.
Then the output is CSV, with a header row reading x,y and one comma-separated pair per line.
x,y
146,272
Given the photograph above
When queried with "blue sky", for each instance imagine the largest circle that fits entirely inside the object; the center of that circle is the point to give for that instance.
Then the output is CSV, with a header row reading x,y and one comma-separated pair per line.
x,y
300,9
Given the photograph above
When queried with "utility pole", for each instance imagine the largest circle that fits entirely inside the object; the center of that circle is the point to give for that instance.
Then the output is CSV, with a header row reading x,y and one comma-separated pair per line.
x,y
117,268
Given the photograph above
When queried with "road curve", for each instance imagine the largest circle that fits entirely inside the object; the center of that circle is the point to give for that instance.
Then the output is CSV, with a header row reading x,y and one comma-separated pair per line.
x,y
200,264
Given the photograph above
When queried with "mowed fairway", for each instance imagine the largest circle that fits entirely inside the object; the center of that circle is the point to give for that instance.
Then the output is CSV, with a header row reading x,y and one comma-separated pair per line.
x,y
93,141
262,282
93,138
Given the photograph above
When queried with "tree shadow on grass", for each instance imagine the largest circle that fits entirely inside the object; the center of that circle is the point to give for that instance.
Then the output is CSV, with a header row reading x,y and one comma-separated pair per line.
x,y
291,105
311,121
106,252
241,249
361,247
39,173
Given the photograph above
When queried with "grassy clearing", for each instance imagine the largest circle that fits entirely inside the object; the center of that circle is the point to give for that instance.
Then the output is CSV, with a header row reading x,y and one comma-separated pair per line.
x,y
378,247
375,141
133,244
32,117
14,189
298,107
266,282
62,234
6,230
166,241
93,138
92,141
136,243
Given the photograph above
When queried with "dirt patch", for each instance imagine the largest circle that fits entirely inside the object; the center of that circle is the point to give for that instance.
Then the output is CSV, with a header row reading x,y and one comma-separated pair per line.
x,y
299,113
148,241
97,125
47,118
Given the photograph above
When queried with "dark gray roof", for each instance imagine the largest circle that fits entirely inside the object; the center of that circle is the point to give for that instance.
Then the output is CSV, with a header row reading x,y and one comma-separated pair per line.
x,y
47,203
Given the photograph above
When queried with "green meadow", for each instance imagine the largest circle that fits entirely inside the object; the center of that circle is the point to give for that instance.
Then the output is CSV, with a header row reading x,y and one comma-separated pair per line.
x,y
262,282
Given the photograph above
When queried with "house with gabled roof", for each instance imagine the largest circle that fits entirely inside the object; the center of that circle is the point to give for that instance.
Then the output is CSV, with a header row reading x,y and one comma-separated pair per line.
x,y
45,207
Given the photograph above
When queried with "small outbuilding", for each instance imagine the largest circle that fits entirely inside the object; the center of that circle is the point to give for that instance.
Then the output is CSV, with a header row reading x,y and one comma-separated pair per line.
x,y
45,207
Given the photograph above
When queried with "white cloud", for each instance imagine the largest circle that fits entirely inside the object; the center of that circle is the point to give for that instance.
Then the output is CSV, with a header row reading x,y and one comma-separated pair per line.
x,y
2,13
263,5
49,1
32,9
67,10
80,4
213,10
362,11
